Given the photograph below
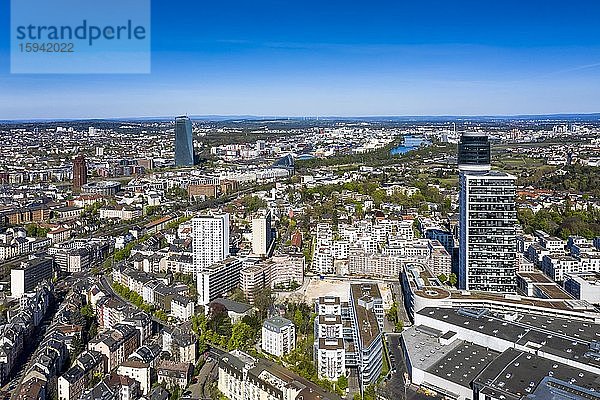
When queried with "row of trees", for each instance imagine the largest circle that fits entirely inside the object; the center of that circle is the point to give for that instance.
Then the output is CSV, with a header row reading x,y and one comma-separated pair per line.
x,y
451,279
392,316
34,230
138,301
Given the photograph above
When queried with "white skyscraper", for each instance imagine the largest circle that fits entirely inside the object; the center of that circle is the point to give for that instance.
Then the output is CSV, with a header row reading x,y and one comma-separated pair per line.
x,y
261,233
210,240
488,220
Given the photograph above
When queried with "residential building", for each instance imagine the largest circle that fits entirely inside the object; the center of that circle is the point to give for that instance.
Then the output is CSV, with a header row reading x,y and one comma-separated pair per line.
x,y
73,382
366,313
584,286
242,377
262,235
278,336
287,270
174,373
210,243
116,344
182,308
137,370
254,277
29,274
218,279
488,220
181,343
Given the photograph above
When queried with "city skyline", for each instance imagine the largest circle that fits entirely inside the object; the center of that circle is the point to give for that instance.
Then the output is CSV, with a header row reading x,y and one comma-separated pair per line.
x,y
337,59
299,200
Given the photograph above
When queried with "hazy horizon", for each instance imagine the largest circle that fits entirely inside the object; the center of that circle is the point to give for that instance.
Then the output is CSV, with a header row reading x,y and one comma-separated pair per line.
x,y
336,58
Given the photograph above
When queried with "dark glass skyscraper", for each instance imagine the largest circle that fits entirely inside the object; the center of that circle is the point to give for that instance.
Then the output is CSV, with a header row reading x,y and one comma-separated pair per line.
x,y
184,149
474,152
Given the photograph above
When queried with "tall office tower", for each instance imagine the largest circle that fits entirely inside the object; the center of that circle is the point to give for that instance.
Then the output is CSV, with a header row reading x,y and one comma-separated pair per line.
x,y
79,172
210,240
488,220
184,148
474,152
261,233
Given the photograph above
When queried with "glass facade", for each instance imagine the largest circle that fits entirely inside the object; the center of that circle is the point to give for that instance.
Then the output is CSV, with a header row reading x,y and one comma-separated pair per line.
x,y
184,148
488,223
474,152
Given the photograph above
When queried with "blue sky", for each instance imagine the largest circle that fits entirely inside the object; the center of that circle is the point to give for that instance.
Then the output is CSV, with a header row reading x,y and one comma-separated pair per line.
x,y
345,58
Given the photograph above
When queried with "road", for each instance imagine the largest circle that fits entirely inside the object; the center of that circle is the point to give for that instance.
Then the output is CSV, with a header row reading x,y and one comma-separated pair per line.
x,y
396,289
31,345
207,375
395,387
107,288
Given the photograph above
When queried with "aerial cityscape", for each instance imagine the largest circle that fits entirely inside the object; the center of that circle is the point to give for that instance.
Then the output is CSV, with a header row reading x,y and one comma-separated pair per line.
x,y
287,210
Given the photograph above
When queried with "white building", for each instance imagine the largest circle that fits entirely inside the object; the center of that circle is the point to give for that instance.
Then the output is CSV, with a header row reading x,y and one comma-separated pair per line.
x,y
261,233
137,370
556,266
120,212
328,305
182,308
210,243
242,377
287,269
366,312
584,286
29,274
323,261
278,336
218,279
331,358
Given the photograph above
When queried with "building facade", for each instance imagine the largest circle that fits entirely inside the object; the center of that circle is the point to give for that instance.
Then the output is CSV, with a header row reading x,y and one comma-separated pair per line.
x,y
261,233
218,279
79,172
184,147
29,274
278,336
210,243
487,222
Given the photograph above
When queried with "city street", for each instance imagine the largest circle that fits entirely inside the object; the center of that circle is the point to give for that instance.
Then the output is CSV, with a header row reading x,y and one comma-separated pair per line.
x,y
395,387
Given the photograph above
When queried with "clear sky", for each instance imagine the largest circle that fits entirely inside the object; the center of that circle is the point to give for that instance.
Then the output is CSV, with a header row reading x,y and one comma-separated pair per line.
x,y
344,58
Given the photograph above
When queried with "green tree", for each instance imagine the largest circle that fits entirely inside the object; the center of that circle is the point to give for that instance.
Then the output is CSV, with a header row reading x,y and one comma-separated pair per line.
x,y
77,346
453,279
160,314
264,300
399,327
369,393
443,278
241,336
87,311
253,203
